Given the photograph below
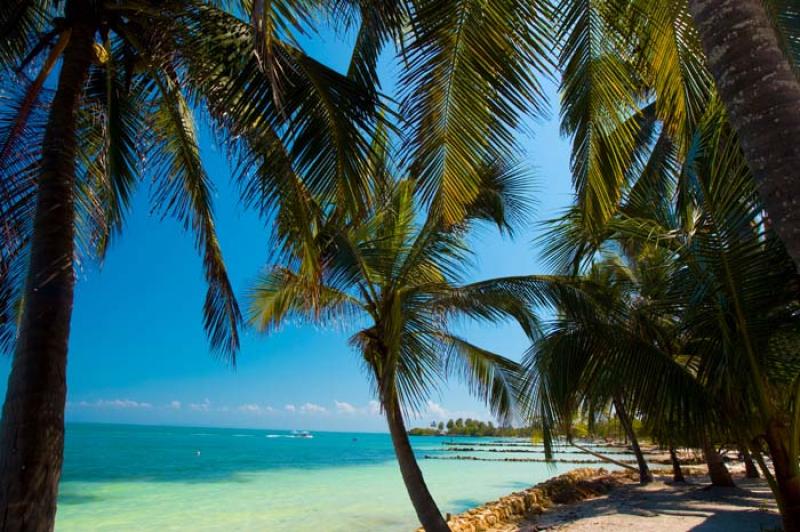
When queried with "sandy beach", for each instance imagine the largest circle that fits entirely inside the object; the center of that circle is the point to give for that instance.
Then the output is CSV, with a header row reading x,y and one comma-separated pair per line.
x,y
587,499
664,506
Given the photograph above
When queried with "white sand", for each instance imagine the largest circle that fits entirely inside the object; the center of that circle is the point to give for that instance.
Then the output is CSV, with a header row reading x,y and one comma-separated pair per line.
x,y
661,506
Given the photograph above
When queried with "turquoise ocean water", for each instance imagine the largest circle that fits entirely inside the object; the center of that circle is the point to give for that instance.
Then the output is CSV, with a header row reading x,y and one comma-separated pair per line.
x,y
126,477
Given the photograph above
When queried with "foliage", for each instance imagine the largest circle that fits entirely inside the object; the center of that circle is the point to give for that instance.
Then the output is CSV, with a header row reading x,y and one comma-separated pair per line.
x,y
680,309
473,427
627,65
399,277
469,71
160,68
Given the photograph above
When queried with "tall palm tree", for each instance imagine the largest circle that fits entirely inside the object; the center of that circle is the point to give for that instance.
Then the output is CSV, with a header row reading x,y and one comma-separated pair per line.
x,y
742,286
730,303
755,69
395,280
623,59
131,78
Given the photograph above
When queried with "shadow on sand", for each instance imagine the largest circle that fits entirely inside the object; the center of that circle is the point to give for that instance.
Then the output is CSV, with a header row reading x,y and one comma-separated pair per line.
x,y
750,506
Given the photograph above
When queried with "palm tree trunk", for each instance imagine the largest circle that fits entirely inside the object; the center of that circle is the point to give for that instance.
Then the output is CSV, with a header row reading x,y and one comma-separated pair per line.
x,y
786,477
762,96
677,472
768,476
604,457
645,476
719,474
751,471
427,512
32,427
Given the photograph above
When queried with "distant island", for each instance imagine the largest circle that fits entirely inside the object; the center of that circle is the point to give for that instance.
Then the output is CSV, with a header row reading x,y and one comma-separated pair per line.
x,y
470,427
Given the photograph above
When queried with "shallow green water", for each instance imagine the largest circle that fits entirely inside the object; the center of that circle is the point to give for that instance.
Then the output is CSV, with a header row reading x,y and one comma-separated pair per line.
x,y
120,477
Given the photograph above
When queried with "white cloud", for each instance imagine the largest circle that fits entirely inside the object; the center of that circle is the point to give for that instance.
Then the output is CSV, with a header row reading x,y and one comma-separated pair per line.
x,y
114,403
374,408
343,407
436,410
251,408
205,406
311,408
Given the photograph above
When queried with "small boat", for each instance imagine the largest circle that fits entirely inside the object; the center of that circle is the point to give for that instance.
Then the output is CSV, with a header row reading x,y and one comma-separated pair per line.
x,y
301,434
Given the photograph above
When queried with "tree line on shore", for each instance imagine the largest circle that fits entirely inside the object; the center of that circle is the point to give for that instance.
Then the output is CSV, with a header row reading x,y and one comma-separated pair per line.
x,y
607,428
472,427
672,300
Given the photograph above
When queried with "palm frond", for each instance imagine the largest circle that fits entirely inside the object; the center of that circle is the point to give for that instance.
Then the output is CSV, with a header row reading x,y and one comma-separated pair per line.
x,y
785,16
380,22
273,20
19,170
492,378
600,92
471,72
496,299
674,65
184,190
21,22
324,124
281,295
113,141
504,197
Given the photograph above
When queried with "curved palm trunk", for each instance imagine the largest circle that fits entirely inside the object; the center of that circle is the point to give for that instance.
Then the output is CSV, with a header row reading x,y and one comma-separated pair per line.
x,y
604,457
762,96
645,476
756,454
751,471
677,472
428,513
787,479
719,474
32,429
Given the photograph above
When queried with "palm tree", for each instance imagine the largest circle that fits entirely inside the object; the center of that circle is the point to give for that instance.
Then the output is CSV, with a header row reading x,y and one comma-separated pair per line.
x,y
754,67
607,345
132,76
741,283
396,281
626,61
725,318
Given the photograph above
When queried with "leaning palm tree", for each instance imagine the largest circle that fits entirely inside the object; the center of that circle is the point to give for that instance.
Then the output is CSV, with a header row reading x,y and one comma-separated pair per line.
x,y
739,288
730,302
607,345
396,281
122,109
625,61
753,53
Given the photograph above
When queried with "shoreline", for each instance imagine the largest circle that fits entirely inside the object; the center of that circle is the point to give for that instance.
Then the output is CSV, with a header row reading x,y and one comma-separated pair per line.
x,y
587,499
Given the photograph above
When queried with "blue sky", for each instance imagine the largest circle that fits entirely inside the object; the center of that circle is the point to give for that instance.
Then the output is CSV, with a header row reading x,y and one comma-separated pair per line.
x,y
138,353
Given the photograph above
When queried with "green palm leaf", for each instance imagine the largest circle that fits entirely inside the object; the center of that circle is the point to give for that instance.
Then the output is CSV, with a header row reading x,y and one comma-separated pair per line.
x,y
471,71
183,189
